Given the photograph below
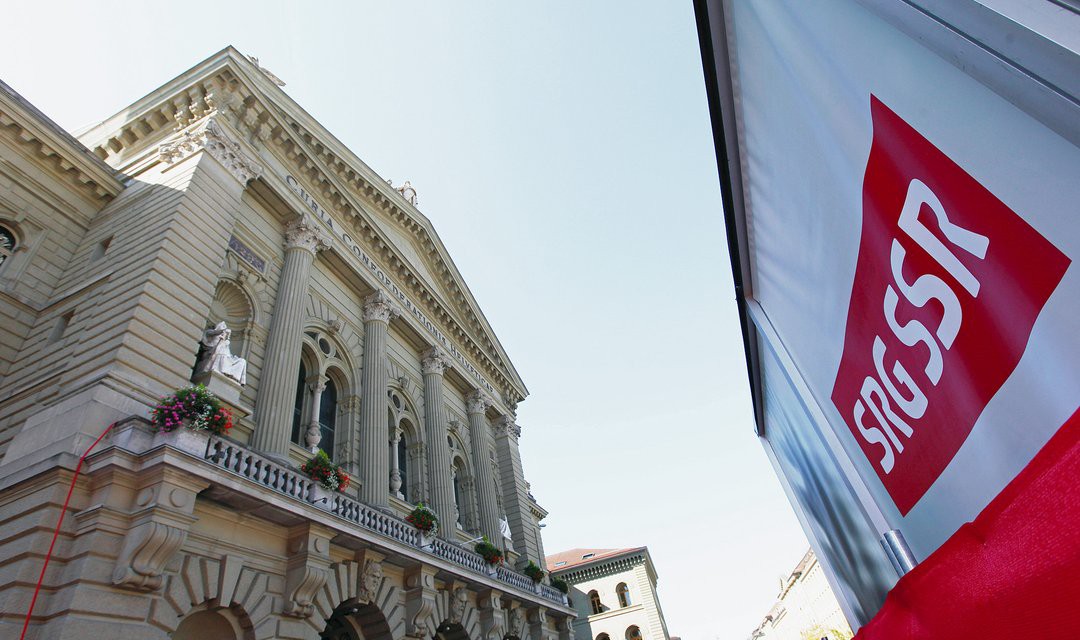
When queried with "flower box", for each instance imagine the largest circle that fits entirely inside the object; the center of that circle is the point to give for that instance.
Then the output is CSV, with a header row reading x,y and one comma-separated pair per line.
x,y
426,521
326,474
185,439
185,419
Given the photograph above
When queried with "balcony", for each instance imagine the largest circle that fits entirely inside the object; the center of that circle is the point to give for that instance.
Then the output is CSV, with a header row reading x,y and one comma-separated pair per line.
x,y
246,481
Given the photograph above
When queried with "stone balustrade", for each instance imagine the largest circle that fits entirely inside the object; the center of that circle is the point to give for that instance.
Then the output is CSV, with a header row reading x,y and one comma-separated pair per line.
x,y
237,459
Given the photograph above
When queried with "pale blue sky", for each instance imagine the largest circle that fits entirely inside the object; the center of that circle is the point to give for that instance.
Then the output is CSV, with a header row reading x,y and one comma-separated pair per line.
x,y
564,154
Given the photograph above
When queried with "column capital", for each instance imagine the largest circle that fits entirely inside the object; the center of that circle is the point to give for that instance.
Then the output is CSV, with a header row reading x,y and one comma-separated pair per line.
x,y
477,402
434,361
378,306
507,425
305,233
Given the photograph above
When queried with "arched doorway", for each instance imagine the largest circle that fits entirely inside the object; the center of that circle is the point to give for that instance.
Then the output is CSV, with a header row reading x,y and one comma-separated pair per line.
x,y
357,622
207,625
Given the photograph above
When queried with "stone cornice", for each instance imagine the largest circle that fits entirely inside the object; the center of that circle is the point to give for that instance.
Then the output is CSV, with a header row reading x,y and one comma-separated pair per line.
x,y
602,568
55,148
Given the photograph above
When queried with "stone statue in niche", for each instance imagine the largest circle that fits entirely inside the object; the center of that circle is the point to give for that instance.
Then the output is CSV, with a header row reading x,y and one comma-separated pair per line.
x,y
218,356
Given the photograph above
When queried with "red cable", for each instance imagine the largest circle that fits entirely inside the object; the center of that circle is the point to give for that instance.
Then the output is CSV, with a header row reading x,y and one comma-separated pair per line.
x,y
56,533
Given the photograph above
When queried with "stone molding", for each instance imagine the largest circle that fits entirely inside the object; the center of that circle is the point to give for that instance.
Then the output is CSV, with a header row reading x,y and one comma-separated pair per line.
x,y
379,307
211,137
304,233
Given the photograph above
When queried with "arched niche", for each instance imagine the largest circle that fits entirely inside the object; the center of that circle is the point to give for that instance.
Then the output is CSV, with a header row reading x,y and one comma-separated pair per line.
x,y
235,307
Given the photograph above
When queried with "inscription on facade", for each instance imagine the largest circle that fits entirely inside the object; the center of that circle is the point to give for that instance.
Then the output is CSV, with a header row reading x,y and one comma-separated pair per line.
x,y
375,270
246,254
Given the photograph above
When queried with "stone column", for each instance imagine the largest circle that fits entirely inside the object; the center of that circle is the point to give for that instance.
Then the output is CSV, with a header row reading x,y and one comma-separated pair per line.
x,y
374,466
480,435
434,364
395,472
277,387
313,436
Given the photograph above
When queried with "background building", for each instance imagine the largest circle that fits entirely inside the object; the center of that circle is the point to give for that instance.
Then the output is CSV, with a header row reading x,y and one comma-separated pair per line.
x,y
805,608
613,592
217,199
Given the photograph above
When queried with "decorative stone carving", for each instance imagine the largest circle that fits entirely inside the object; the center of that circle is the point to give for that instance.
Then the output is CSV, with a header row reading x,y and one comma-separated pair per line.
x,y
218,355
420,603
507,425
566,628
146,551
492,615
434,361
477,402
212,138
370,581
306,571
302,585
378,306
459,598
158,531
305,233
517,623
537,622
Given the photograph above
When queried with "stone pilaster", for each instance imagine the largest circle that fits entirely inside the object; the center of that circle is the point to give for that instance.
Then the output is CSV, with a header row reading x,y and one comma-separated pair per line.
x,y
515,493
277,386
375,465
434,364
480,436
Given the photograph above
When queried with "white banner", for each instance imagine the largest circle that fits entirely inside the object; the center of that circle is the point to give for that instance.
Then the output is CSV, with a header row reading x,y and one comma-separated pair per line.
x,y
913,239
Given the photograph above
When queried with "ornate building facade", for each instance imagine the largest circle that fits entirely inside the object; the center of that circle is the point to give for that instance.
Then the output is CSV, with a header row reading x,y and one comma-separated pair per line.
x,y
805,608
213,231
613,592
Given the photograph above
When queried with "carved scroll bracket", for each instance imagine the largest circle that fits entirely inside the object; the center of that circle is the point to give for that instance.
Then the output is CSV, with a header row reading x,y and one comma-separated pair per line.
x,y
307,568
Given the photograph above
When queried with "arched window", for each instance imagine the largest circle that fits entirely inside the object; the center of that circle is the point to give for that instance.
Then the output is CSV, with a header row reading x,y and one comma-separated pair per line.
x,y
633,633
7,244
328,417
298,408
624,594
594,602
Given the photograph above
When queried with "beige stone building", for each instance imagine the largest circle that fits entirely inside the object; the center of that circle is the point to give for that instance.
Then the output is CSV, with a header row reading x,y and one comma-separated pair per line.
x,y
214,199
613,592
805,608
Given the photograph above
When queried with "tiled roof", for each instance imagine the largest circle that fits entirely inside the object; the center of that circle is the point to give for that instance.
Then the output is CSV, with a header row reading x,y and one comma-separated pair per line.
x,y
579,557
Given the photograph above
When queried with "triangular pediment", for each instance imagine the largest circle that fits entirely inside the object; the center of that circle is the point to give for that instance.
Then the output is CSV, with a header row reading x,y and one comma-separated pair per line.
x,y
231,87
